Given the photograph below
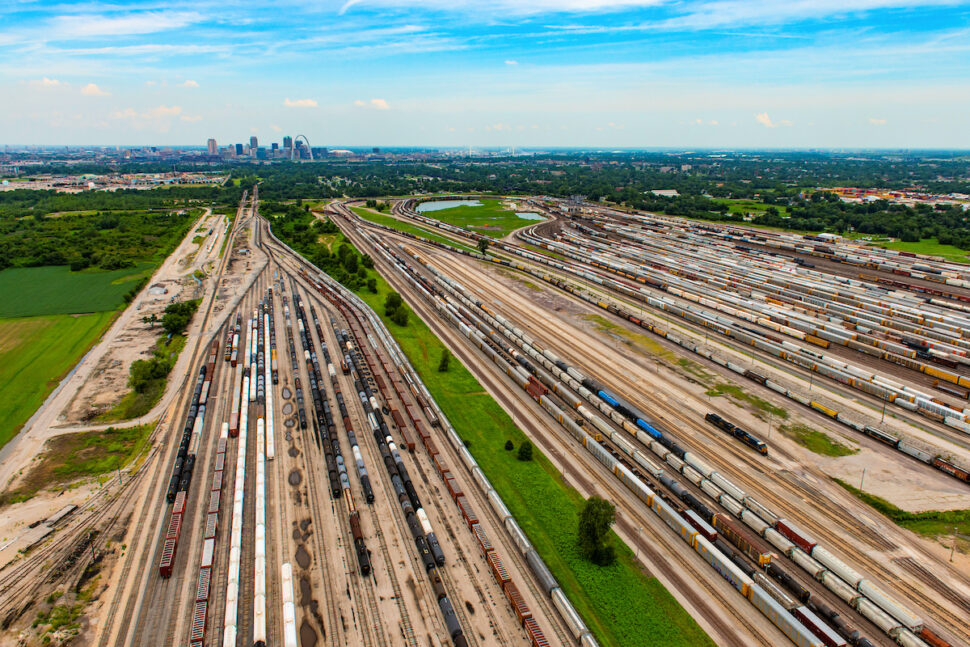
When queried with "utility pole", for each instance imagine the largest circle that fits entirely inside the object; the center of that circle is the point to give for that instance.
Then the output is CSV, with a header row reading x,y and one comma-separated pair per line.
x,y
884,403
863,480
769,423
954,544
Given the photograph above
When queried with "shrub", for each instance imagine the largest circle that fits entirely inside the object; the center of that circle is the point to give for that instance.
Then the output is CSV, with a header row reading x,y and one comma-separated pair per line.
x,y
525,451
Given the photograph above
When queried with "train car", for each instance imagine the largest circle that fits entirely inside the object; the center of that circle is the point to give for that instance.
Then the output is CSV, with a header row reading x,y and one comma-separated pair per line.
x,y
796,535
814,624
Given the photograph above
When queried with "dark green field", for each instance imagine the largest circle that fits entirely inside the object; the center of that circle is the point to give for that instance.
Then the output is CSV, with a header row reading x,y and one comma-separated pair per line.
x,y
31,291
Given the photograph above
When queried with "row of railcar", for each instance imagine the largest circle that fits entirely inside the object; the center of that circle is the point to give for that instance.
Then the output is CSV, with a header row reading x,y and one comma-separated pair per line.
x,y
925,454
743,435
721,563
909,398
200,609
426,542
904,631
875,388
415,389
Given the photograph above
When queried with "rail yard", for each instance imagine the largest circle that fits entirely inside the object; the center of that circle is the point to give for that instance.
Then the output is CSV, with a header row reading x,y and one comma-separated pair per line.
x,y
304,487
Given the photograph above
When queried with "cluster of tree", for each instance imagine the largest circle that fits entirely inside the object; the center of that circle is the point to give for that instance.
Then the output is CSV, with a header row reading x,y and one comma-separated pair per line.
x,y
380,206
595,520
396,311
177,316
314,239
104,230
525,450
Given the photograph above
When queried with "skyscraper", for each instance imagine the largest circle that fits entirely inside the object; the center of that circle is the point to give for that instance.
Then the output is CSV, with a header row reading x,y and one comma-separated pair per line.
x,y
287,142
253,144
213,147
239,150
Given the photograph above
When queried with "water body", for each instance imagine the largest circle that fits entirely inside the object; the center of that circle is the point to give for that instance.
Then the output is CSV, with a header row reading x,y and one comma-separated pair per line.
x,y
438,205
528,215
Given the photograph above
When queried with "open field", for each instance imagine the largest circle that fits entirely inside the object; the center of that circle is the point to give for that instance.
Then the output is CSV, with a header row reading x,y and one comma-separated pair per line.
x,y
491,218
35,353
137,403
930,247
69,457
407,228
621,604
31,291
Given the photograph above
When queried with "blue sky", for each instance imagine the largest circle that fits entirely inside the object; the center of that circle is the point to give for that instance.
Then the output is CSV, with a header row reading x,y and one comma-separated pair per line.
x,y
526,73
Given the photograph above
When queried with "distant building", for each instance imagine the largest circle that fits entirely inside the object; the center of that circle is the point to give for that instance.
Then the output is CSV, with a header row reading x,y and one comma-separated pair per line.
x,y
239,150
287,142
667,193
275,147
253,144
213,147
376,149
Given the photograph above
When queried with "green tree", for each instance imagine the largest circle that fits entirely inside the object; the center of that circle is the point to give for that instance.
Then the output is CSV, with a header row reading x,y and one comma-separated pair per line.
x,y
372,285
445,359
400,316
391,303
509,446
483,245
525,451
594,526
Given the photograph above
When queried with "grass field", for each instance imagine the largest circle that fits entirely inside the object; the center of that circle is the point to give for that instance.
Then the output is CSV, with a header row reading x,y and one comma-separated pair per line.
x,y
408,228
69,457
621,604
35,353
932,523
816,441
929,247
749,206
31,291
491,218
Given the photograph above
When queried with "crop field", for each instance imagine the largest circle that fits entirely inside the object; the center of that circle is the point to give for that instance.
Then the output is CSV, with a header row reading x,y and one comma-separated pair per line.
x,y
31,291
491,218
408,228
35,353
621,604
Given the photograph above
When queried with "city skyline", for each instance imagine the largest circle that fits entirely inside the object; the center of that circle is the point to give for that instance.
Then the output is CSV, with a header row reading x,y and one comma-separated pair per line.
x,y
581,73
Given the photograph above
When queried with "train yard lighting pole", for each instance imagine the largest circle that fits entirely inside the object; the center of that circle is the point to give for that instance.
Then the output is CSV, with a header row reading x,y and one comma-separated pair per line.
x,y
953,546
862,481
769,423
884,403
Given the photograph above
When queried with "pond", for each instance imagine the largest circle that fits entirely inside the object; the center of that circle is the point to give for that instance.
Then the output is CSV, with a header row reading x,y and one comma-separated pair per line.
x,y
438,205
528,215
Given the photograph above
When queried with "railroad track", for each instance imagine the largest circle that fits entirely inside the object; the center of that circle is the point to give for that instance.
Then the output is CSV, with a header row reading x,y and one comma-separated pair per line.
x,y
525,417
781,505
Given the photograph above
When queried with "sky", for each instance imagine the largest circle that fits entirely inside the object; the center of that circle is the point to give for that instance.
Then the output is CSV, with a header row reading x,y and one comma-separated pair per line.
x,y
488,73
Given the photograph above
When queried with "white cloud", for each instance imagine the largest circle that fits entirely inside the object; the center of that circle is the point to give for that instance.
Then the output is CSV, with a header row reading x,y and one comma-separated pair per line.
x,y
191,118
92,90
299,103
190,84
165,111
378,104
520,7
147,22
275,128
511,62
764,120
877,122
151,83
46,83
